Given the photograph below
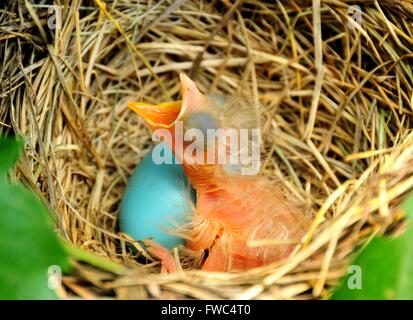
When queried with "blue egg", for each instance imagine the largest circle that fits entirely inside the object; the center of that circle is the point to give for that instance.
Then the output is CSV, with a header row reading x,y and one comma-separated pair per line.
x,y
157,197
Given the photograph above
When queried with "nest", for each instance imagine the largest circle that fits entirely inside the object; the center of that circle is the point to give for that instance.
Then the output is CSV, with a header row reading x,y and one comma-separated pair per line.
x,y
337,104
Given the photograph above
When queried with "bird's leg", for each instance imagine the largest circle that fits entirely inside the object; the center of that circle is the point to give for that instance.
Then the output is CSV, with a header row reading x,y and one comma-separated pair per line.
x,y
161,253
203,235
205,230
217,260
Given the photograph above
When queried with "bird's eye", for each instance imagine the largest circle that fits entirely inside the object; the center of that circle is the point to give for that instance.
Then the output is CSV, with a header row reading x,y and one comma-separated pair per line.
x,y
200,129
218,99
201,121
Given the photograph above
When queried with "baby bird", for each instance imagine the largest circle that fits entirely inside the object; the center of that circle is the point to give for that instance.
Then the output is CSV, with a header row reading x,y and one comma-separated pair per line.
x,y
235,206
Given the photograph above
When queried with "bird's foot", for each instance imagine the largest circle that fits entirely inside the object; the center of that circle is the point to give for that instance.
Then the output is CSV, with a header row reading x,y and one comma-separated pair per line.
x,y
167,260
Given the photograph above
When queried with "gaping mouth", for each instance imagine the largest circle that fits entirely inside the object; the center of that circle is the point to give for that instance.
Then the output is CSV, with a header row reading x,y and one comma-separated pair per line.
x,y
163,115
166,114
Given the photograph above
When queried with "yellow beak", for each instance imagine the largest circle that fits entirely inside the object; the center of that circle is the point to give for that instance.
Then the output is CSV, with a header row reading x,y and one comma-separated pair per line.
x,y
161,115
164,115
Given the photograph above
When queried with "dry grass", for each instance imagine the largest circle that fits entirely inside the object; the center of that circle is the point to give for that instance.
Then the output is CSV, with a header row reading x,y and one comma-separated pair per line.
x,y
337,104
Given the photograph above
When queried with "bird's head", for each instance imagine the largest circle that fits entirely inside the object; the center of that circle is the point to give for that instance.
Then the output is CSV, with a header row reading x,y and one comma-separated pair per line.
x,y
205,131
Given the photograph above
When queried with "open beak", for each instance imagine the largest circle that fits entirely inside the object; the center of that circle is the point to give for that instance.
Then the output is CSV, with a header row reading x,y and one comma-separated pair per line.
x,y
161,115
165,115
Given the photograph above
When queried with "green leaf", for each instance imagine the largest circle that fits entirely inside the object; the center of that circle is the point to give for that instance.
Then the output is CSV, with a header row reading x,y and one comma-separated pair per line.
x,y
94,260
28,244
384,268
9,152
